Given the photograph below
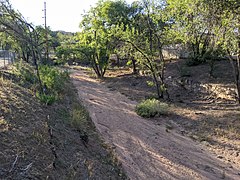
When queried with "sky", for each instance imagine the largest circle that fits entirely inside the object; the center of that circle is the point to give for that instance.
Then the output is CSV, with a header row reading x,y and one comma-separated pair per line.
x,y
61,14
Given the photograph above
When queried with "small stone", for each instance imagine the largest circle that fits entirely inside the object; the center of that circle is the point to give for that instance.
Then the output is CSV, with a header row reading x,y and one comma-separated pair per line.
x,y
205,143
182,132
237,154
220,157
194,137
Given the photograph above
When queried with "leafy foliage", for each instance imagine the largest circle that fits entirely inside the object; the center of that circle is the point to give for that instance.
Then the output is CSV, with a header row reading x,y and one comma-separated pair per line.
x,y
25,72
53,79
137,33
53,83
47,99
146,34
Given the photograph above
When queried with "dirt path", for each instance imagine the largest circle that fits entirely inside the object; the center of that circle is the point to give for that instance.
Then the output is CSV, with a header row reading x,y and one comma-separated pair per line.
x,y
145,149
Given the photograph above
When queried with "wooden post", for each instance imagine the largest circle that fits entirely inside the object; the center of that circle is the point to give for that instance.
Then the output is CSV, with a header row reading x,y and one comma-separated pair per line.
x,y
46,31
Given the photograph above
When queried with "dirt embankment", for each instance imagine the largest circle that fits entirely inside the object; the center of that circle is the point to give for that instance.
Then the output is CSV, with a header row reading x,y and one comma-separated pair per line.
x,y
49,142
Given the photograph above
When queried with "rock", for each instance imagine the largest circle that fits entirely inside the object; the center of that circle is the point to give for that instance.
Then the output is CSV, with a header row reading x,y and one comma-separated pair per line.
x,y
237,154
183,132
205,143
194,137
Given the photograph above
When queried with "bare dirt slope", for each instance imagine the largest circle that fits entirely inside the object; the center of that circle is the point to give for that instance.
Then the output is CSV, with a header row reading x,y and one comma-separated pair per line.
x,y
145,148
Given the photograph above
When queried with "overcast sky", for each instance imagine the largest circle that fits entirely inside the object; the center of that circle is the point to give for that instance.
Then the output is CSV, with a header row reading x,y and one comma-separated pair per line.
x,y
61,15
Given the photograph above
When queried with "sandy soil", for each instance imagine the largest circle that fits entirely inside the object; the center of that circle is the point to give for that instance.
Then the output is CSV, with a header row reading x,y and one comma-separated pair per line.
x,y
145,149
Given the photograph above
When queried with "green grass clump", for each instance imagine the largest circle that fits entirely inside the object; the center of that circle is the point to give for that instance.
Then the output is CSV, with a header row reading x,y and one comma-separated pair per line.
x,y
79,116
47,99
151,108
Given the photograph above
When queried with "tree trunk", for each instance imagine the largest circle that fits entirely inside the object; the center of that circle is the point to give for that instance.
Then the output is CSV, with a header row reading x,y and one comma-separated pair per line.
x,y
159,94
37,70
238,90
238,72
118,60
134,66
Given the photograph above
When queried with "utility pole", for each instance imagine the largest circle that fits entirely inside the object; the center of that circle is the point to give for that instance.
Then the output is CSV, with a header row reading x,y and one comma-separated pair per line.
x,y
46,31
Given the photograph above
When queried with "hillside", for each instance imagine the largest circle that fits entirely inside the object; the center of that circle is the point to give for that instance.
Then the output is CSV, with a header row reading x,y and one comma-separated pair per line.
x,y
49,142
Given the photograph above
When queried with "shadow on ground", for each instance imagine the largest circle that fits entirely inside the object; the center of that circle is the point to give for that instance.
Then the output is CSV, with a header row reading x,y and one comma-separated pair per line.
x,y
146,148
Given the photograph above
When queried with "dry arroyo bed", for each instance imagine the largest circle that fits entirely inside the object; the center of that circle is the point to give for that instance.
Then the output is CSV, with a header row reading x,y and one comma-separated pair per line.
x,y
144,147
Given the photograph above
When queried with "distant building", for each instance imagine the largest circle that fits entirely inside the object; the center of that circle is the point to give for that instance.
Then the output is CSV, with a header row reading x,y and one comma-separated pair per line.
x,y
176,51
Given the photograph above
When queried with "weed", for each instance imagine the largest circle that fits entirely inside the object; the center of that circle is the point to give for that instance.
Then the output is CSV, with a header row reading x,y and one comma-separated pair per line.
x,y
79,116
47,99
150,83
151,108
39,137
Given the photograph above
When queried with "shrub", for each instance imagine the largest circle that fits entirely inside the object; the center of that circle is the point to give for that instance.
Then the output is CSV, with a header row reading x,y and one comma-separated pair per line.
x,y
151,108
26,73
47,99
53,79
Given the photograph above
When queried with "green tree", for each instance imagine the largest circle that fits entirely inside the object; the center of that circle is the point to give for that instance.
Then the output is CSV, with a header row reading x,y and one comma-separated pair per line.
x,y
97,38
228,14
209,26
194,24
147,33
23,33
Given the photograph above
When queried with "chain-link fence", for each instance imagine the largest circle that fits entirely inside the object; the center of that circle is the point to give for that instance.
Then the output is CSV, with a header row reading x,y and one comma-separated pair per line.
x,y
6,57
